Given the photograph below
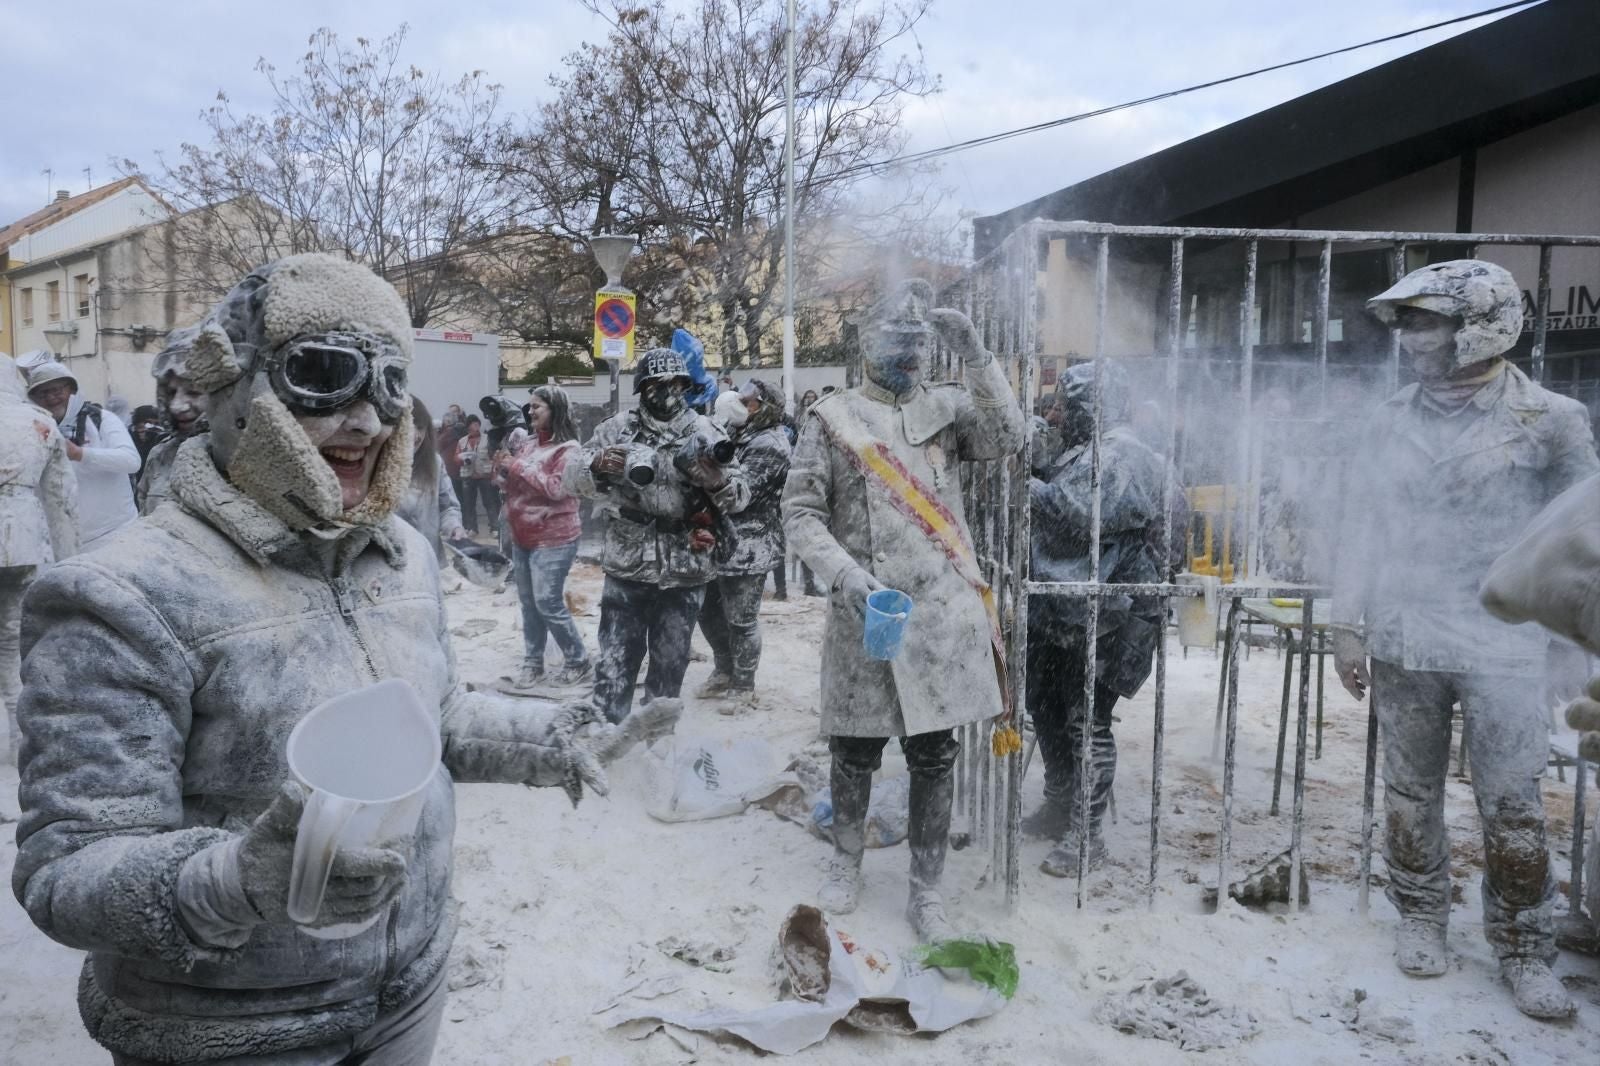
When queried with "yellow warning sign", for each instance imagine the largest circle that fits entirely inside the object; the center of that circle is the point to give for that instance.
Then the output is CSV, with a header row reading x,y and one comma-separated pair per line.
x,y
613,324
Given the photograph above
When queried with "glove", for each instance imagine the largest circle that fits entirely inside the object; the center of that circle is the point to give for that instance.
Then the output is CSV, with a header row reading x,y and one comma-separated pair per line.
x,y
362,883
959,335
1350,663
609,463
1583,714
854,588
649,723
702,540
703,473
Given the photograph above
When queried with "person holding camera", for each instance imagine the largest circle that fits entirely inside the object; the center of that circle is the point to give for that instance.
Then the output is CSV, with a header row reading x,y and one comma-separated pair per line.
x,y
666,479
730,618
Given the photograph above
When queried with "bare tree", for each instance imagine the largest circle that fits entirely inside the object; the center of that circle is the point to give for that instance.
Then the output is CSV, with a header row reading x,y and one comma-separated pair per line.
x,y
362,154
673,129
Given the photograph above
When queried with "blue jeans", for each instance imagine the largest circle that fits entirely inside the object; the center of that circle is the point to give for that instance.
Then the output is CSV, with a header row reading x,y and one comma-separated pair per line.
x,y
541,575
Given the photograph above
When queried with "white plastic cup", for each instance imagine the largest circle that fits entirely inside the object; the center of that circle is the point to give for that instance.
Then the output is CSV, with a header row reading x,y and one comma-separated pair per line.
x,y
366,759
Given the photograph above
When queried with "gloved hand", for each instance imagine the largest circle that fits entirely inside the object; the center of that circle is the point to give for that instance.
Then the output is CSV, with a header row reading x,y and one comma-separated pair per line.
x,y
584,767
702,540
854,588
1583,714
959,335
703,472
1350,663
363,881
609,463
650,722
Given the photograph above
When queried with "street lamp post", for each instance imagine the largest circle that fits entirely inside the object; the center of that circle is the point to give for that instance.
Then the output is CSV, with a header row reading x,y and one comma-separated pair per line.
x,y
59,336
613,309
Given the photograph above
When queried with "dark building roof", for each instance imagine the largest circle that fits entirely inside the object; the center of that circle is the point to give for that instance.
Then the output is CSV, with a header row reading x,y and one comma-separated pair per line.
x,y
1408,114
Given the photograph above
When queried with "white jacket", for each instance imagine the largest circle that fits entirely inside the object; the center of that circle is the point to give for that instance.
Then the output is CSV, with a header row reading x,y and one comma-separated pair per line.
x,y
38,521
105,495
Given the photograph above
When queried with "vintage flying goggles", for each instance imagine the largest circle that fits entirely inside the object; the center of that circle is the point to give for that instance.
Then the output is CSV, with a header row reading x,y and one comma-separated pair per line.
x,y
326,371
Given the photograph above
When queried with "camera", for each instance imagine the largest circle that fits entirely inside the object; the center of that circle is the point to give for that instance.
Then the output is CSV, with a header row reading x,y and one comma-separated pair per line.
x,y
704,445
641,464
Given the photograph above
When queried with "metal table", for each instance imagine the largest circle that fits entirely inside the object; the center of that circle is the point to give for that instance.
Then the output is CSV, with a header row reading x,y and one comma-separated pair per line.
x,y
1288,621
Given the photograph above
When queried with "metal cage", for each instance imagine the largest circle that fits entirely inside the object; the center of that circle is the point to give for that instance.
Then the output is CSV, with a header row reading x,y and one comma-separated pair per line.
x,y
1001,293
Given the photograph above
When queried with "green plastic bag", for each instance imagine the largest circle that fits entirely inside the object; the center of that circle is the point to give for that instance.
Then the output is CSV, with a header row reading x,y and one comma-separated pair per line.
x,y
991,962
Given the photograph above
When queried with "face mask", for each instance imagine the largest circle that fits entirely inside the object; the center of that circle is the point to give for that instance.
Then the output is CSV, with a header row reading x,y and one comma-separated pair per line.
x,y
895,362
662,401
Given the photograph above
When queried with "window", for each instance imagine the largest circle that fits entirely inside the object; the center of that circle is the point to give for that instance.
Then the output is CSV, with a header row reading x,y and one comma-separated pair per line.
x,y
80,285
26,301
52,300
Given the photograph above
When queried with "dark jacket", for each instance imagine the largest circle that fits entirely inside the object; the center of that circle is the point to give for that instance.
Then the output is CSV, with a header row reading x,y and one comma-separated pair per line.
x,y
757,531
1132,488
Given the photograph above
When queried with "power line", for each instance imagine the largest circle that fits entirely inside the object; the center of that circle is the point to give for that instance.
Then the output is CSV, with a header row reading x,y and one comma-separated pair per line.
x,y
992,138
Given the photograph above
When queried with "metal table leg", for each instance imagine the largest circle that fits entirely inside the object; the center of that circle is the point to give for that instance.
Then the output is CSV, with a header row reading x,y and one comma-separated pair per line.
x,y
1322,658
1283,717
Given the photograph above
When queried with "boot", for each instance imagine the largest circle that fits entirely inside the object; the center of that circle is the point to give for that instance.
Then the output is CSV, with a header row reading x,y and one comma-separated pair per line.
x,y
714,686
929,838
1063,858
1536,990
851,792
1050,822
1419,947
737,700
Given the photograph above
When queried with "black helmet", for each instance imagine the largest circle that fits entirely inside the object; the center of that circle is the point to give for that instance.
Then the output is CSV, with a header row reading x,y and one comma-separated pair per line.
x,y
659,363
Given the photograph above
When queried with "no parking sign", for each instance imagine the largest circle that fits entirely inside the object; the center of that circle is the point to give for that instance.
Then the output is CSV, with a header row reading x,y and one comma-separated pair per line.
x,y
613,324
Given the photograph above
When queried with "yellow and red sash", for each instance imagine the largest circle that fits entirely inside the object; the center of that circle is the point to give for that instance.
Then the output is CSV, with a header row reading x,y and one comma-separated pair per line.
x,y
906,493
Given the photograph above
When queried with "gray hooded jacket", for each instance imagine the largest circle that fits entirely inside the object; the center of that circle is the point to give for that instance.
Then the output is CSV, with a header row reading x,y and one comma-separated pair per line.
x,y
162,677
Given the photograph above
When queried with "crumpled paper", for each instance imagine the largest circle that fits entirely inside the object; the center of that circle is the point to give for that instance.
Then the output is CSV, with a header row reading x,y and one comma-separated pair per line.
x,y
834,978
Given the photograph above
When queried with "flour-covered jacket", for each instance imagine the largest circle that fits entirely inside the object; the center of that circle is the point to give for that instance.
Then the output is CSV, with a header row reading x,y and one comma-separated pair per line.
x,y
944,675
757,531
1431,500
38,487
542,513
648,526
162,675
430,505
105,495
1132,489
154,487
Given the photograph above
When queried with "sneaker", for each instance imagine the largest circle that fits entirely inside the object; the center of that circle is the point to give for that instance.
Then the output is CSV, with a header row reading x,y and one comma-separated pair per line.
x,y
925,912
574,674
1419,947
841,886
715,685
529,678
1536,990
1063,858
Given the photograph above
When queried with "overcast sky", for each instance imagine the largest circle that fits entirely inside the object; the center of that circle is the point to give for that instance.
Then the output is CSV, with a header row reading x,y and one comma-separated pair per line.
x,y
96,81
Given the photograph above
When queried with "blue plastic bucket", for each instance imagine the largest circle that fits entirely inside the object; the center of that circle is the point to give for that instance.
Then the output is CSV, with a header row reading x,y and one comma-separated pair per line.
x,y
887,612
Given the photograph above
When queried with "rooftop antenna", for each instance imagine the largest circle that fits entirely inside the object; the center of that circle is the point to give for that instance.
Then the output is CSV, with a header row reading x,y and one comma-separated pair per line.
x,y
49,183
88,176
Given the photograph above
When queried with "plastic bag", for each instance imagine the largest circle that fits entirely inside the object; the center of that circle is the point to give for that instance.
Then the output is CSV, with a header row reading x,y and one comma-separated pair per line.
x,y
713,778
888,813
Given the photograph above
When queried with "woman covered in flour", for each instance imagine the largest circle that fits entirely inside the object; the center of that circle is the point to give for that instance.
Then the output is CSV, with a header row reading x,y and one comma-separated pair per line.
x,y
874,501
163,674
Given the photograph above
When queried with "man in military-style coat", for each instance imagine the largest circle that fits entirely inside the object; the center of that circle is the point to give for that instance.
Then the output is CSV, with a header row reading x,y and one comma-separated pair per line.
x,y
874,501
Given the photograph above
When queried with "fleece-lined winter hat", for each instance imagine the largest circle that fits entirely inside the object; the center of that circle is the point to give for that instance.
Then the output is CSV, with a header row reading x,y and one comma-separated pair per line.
x,y
309,334
174,358
1483,297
